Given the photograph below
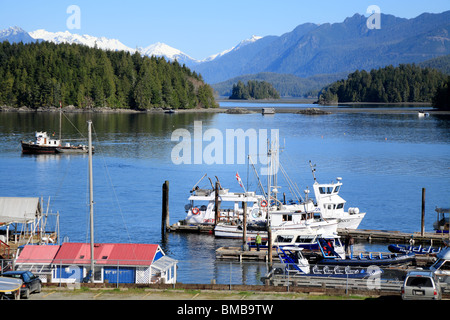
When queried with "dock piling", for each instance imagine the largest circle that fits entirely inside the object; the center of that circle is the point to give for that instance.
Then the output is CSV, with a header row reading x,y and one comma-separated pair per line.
x,y
422,230
165,207
217,203
244,231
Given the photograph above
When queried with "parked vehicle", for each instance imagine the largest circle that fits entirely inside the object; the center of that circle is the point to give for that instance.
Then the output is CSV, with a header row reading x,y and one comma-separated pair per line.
x,y
31,283
422,285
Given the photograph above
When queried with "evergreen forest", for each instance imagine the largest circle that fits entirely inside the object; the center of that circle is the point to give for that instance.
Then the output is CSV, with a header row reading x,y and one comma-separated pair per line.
x,y
43,74
254,90
405,83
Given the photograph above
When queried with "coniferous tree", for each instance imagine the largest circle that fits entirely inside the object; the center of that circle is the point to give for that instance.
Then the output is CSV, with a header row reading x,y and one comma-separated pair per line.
x,y
43,74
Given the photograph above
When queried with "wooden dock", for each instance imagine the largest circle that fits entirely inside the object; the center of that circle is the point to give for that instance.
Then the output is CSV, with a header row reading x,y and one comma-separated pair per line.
x,y
235,253
360,235
179,227
385,236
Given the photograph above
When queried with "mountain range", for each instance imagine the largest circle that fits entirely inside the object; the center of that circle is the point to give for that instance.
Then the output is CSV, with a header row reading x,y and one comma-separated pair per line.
x,y
307,51
17,34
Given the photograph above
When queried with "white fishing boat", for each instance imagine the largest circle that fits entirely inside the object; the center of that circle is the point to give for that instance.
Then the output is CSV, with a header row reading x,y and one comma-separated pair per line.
x,y
201,209
331,204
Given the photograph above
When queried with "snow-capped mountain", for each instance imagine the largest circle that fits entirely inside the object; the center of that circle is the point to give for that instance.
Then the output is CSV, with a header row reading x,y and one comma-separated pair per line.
x,y
163,50
158,49
15,34
67,37
240,45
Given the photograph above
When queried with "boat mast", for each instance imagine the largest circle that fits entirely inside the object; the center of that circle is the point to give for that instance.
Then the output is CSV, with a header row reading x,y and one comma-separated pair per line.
x,y
60,113
312,170
91,200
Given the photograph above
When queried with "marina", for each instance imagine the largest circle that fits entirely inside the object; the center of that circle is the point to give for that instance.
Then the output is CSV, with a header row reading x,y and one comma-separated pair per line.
x,y
203,257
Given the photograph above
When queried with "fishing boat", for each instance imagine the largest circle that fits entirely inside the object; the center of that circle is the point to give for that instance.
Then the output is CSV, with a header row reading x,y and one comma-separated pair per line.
x,y
281,217
44,144
331,204
293,262
442,221
399,248
302,239
202,203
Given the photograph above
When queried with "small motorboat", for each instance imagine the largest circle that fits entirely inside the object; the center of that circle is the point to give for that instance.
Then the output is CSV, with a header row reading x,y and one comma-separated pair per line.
x,y
294,262
400,248
330,257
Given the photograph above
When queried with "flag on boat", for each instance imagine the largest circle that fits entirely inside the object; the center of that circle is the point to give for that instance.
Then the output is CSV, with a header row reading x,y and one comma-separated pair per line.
x,y
238,178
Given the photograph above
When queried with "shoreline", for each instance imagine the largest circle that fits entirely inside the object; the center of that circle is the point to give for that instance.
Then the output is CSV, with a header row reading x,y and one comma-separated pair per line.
x,y
390,108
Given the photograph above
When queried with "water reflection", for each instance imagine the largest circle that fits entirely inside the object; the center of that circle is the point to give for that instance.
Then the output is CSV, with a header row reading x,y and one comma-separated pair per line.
x,y
385,160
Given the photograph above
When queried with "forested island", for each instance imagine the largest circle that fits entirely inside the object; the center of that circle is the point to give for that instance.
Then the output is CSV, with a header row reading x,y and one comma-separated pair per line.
x,y
405,83
254,90
43,74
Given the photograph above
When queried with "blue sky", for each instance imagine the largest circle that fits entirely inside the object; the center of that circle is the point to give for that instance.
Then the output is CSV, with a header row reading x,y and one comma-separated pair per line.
x,y
199,28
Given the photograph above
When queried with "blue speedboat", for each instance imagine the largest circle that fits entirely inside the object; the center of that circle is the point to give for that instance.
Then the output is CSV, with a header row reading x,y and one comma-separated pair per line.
x,y
330,257
295,263
400,248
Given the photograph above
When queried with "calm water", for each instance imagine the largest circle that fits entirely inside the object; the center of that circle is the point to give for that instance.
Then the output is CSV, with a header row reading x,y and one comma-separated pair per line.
x,y
384,159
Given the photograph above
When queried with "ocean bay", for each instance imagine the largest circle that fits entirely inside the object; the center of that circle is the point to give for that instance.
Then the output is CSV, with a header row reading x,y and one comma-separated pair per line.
x,y
385,159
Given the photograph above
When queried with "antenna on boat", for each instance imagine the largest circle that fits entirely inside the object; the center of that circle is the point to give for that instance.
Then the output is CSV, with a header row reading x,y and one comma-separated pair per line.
x,y
312,169
193,188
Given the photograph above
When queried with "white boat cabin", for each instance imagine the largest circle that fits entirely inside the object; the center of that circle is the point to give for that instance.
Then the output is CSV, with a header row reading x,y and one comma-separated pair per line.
x,y
201,206
332,205
42,139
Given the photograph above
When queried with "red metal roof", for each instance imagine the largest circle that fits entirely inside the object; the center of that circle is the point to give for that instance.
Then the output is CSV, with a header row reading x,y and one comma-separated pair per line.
x,y
38,254
80,253
107,253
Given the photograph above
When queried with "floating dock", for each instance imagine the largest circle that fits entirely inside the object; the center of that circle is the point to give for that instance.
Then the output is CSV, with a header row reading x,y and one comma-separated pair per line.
x,y
385,236
235,253
360,235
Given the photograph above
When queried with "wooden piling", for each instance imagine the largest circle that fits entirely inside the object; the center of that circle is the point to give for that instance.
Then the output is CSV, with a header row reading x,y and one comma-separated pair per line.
x,y
422,230
217,203
244,222
165,207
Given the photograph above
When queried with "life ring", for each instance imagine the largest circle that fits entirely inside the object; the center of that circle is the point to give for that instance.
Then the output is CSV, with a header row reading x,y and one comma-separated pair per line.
x,y
195,211
263,203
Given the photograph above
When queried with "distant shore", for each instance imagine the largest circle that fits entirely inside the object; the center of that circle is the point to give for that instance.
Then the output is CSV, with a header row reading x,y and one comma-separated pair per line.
x,y
244,105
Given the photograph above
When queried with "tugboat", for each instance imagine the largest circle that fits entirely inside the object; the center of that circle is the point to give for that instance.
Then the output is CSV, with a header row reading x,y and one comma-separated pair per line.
x,y
44,144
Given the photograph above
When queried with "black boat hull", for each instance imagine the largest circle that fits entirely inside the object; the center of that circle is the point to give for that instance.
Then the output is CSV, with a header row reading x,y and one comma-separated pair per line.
x,y
31,148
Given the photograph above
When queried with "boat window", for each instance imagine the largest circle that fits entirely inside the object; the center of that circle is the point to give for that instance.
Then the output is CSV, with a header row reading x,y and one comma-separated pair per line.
x,y
285,239
301,239
340,206
329,190
287,217
321,190
336,190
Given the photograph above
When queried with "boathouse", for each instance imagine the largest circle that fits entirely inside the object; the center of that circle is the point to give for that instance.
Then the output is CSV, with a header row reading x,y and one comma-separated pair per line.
x,y
20,214
113,263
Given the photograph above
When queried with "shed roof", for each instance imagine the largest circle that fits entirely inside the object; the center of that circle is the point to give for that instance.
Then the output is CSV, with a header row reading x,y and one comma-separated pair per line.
x,y
18,210
38,254
108,253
